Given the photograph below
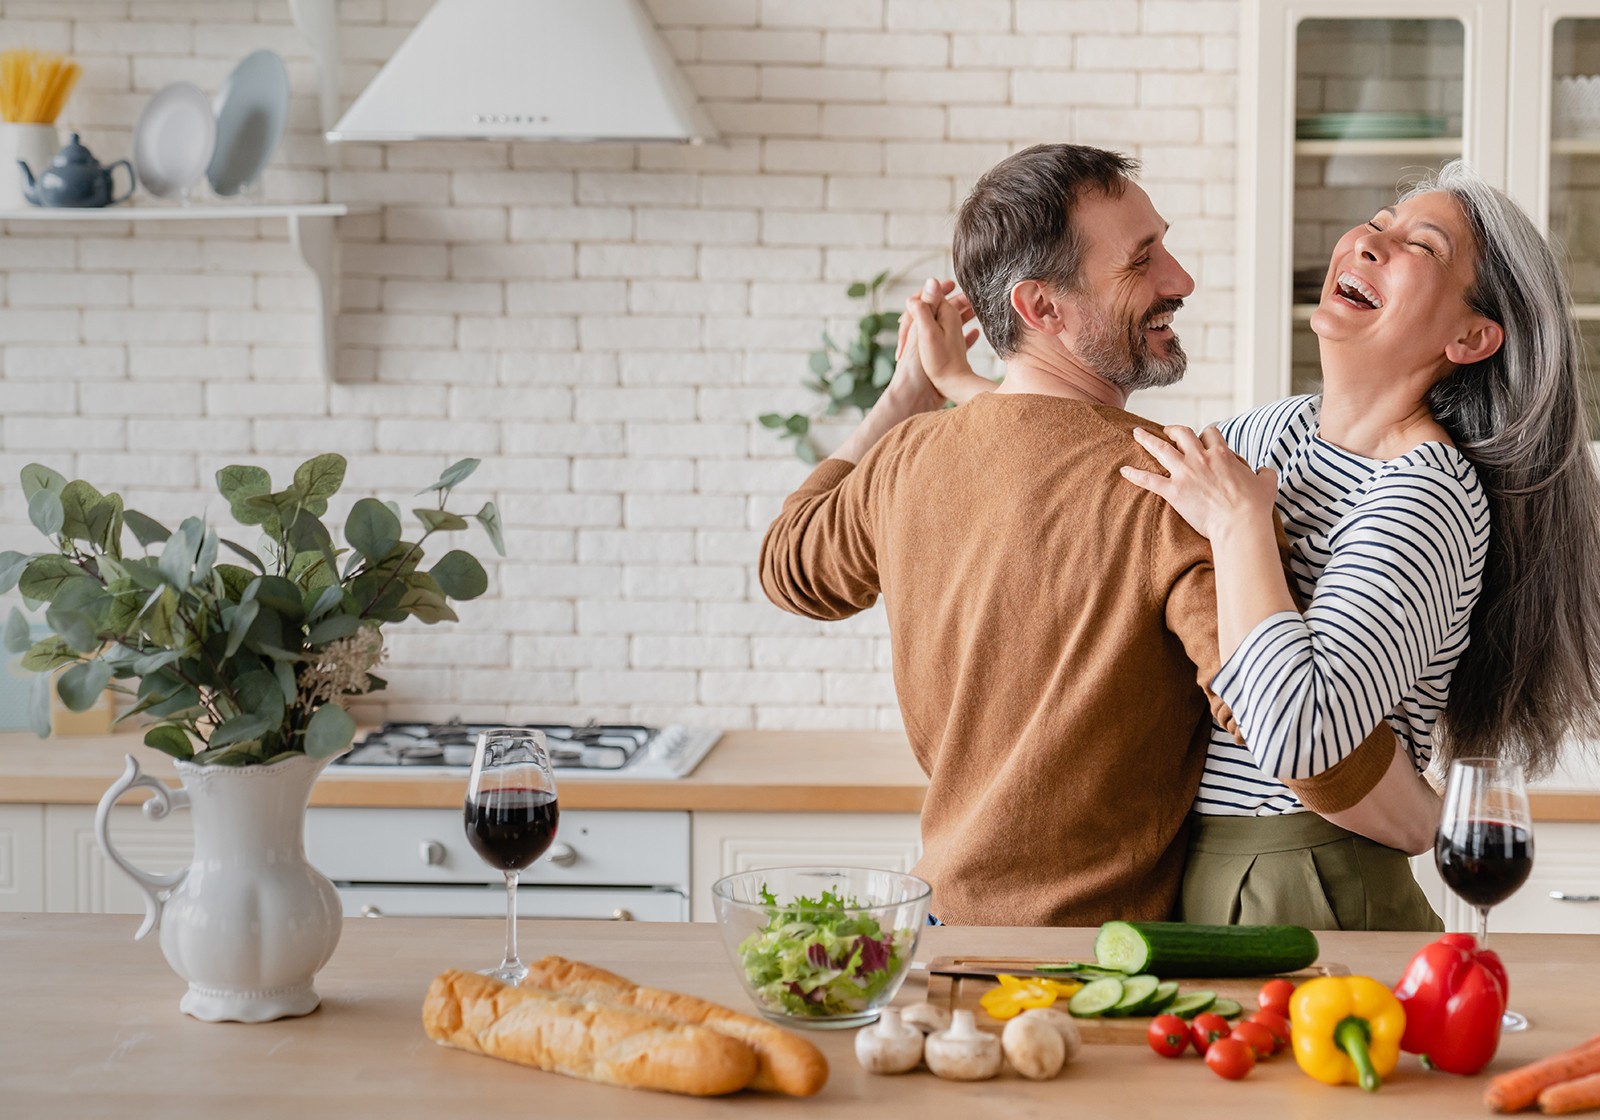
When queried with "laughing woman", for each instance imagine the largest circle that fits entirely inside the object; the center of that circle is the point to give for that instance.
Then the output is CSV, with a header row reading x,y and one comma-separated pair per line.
x,y
1442,599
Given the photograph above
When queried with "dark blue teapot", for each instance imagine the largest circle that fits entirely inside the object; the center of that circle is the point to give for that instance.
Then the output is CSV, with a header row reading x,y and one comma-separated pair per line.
x,y
74,178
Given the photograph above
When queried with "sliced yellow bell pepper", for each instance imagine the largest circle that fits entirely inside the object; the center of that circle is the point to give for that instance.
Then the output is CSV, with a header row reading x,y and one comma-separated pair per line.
x,y
1014,996
1346,1030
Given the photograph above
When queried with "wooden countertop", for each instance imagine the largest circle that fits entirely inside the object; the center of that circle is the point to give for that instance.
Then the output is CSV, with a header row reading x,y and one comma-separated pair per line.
x,y
747,771
92,1029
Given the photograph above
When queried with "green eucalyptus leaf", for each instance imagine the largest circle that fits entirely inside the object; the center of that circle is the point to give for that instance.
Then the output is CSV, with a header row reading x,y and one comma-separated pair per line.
x,y
80,686
878,280
771,420
320,478
18,637
819,362
459,575
372,529
489,518
843,386
73,627
237,581
259,693
36,477
46,512
329,731
178,554
154,662
77,500
283,671
856,290
239,729
207,558
11,565
454,475
798,425
146,530
250,557
45,576
169,739
234,754
332,628
426,605
123,597
327,599
47,654
805,452
239,626
440,519
281,596
882,369
39,705
236,483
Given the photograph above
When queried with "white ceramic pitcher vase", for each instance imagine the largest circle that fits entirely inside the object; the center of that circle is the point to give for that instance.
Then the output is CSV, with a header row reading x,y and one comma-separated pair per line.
x,y
249,922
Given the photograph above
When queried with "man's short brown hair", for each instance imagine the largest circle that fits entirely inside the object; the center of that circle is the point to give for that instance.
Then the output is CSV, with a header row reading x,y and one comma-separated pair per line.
x,y
1017,224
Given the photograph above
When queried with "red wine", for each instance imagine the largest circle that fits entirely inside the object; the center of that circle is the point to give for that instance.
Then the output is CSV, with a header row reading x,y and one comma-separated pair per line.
x,y
510,828
1484,861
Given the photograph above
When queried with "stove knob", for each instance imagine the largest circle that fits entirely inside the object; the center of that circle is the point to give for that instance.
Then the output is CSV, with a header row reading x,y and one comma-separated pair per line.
x,y
431,852
370,911
563,855
620,915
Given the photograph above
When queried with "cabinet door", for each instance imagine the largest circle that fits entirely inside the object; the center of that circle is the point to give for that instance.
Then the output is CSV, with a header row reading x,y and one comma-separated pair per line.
x,y
723,843
1562,894
21,857
79,879
1555,147
1348,105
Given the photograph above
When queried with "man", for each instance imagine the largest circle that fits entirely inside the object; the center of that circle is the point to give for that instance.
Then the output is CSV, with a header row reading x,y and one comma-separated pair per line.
x,y
1049,621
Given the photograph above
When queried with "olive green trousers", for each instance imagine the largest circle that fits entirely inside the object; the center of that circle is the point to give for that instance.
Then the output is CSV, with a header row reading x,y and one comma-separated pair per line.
x,y
1299,870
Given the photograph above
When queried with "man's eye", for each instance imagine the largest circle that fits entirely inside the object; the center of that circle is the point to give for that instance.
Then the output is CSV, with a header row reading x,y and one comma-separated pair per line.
x,y
1141,262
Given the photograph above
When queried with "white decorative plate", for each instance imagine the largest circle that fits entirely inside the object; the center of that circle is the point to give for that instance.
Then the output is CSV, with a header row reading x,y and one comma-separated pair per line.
x,y
174,139
252,110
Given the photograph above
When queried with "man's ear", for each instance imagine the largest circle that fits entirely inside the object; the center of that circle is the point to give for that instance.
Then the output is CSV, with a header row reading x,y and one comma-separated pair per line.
x,y
1039,307
1481,340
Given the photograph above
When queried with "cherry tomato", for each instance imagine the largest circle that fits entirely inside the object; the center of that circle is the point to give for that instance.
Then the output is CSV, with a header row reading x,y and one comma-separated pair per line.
x,y
1206,1029
1277,1024
1168,1035
1274,996
1231,1058
1257,1037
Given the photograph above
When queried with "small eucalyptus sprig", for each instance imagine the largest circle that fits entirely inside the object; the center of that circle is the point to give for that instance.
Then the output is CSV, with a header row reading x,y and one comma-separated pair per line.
x,y
238,664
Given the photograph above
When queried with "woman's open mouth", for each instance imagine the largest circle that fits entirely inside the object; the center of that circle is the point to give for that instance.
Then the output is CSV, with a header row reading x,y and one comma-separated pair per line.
x,y
1353,291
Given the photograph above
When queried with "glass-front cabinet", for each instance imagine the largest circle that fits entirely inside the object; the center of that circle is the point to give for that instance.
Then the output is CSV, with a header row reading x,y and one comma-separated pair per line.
x,y
1344,105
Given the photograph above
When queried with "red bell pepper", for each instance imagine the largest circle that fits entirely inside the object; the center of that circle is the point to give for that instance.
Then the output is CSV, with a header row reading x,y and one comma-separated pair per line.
x,y
1454,994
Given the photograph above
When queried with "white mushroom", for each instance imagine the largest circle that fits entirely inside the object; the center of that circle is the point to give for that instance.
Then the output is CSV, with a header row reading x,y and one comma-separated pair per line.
x,y
888,1046
1064,1026
963,1053
927,1017
1034,1048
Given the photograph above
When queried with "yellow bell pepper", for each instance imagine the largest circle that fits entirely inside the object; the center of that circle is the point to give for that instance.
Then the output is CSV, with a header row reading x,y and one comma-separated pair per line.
x,y
1346,1030
1016,995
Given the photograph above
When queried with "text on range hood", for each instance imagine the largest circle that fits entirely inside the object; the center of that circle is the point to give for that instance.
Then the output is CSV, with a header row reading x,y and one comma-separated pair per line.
x,y
529,70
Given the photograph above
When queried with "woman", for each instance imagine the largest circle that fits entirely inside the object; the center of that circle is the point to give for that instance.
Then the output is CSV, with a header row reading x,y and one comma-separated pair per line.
x,y
1443,516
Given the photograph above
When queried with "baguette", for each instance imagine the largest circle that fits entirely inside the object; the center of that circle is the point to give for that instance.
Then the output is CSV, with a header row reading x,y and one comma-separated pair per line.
x,y
583,1038
788,1064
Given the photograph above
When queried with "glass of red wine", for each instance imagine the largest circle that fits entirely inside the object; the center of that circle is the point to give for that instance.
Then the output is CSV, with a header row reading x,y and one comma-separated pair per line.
x,y
1484,847
511,816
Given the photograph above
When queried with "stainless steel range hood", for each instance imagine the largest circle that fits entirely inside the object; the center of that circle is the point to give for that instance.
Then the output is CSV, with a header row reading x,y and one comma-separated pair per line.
x,y
529,70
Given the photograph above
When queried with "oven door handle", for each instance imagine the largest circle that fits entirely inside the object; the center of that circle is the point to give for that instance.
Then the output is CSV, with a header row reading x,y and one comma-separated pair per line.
x,y
563,855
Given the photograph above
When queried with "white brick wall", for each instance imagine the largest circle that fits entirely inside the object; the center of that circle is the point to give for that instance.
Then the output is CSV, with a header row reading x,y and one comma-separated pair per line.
x,y
600,323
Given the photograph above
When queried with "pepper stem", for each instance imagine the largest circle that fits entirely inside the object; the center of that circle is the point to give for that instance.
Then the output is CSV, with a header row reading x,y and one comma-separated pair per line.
x,y
1352,1036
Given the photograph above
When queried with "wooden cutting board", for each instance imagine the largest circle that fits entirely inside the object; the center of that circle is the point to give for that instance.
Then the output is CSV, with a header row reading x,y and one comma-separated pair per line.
x,y
963,993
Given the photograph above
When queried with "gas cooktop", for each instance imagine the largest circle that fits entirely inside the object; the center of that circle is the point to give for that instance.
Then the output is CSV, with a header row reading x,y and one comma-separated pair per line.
x,y
617,751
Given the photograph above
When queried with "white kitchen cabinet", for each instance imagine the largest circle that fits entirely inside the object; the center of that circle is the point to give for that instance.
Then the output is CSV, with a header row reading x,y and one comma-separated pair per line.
x,y
1342,104
724,843
22,875
79,879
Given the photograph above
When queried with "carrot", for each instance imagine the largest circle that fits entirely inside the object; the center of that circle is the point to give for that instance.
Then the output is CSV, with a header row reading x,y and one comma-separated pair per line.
x,y
1579,1095
1516,1090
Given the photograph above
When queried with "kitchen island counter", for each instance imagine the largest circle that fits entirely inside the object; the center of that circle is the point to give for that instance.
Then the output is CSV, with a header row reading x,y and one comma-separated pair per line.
x,y
93,1030
747,771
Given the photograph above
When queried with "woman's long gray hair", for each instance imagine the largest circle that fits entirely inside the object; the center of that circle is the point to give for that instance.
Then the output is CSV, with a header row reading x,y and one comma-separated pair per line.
x,y
1530,676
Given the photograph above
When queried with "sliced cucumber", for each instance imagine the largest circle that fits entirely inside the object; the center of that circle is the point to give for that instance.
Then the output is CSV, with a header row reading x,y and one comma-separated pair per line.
x,y
1138,992
1095,998
1166,994
1190,1004
1227,1008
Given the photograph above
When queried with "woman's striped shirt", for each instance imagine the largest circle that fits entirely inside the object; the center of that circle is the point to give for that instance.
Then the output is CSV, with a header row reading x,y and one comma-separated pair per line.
x,y
1389,556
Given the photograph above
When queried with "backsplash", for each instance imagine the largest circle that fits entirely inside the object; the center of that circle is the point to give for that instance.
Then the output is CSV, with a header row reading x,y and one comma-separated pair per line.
x,y
601,324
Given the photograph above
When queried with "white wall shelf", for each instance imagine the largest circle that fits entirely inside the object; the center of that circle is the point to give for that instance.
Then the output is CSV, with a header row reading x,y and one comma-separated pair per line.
x,y
1409,146
1575,146
311,231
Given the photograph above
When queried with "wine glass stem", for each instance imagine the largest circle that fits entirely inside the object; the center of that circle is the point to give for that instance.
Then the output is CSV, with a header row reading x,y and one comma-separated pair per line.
x,y
511,960
1483,927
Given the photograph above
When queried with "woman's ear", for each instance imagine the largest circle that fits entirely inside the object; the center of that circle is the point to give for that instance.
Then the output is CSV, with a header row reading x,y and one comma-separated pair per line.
x,y
1482,339
1039,308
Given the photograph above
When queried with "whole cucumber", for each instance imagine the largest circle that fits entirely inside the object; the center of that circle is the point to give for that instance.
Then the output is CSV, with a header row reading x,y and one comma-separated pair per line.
x,y
1173,950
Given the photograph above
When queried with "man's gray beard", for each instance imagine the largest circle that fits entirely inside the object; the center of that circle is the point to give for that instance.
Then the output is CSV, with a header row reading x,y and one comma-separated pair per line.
x,y
1120,353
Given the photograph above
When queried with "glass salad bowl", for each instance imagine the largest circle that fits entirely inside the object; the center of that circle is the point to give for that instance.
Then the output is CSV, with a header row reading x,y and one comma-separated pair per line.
x,y
821,946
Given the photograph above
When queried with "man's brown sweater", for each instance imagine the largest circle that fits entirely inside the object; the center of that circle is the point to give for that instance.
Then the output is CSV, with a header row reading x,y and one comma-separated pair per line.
x,y
1050,622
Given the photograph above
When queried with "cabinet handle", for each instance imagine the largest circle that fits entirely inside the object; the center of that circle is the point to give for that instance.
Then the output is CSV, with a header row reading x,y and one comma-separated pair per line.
x,y
1563,896
370,911
432,852
621,915
563,855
